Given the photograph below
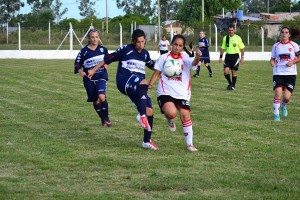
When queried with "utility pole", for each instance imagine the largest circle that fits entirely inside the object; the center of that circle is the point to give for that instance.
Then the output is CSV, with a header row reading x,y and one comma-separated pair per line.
x,y
202,10
158,16
106,17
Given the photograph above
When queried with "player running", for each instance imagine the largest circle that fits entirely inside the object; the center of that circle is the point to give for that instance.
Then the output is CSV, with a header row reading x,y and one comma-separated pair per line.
x,y
174,93
88,58
131,80
285,55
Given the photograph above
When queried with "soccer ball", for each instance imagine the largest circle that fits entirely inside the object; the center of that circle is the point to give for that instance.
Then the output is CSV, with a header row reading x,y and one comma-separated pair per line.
x,y
172,68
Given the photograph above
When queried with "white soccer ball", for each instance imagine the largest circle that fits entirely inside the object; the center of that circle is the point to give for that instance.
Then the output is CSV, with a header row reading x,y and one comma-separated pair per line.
x,y
172,68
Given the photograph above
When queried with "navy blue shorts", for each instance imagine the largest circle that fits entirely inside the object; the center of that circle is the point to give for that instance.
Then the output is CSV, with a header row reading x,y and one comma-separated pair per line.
x,y
205,60
129,88
94,88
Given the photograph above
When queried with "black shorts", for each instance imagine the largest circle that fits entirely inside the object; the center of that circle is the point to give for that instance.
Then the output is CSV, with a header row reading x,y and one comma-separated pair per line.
x,y
179,103
163,52
284,81
232,61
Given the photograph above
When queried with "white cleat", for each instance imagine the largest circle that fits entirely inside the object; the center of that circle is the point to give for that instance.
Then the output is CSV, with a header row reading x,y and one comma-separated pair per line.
x,y
191,148
149,145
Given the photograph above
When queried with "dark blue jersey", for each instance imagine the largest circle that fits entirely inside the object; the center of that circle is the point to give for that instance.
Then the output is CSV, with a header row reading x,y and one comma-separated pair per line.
x,y
203,45
88,59
130,62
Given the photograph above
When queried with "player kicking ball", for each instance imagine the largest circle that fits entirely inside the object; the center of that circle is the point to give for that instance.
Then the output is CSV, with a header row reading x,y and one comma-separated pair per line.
x,y
173,90
133,59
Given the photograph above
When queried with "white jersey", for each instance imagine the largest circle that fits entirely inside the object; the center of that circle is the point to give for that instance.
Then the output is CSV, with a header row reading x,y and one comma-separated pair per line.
x,y
177,87
163,45
283,53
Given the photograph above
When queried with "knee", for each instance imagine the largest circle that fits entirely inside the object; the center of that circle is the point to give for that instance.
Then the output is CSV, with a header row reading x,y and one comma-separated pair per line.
x,y
149,111
102,98
170,115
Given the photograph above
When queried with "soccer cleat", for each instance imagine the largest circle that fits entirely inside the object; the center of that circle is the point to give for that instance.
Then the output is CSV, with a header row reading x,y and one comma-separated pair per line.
x,y
232,88
172,126
138,116
191,148
106,122
211,75
284,111
196,75
229,87
149,145
144,122
277,118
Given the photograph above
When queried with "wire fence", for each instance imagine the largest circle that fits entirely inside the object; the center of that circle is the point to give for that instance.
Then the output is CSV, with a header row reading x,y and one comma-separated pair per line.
x,y
34,38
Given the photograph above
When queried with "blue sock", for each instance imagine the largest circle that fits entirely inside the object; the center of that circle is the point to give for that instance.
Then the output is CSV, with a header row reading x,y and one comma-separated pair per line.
x,y
97,108
104,109
142,98
147,134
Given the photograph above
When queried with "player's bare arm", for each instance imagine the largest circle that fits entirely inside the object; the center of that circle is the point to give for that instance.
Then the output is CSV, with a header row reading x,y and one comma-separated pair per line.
x,y
242,56
272,62
154,77
292,62
92,71
81,73
221,55
197,57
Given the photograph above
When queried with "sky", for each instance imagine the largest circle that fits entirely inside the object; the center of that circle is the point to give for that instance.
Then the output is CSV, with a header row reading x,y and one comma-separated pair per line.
x,y
73,11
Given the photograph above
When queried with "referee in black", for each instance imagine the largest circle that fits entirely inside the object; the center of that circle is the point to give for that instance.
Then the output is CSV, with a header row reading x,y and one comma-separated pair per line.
x,y
233,45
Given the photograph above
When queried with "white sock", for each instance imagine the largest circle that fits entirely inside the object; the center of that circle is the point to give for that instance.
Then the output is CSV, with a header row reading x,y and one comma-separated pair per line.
x,y
276,105
188,131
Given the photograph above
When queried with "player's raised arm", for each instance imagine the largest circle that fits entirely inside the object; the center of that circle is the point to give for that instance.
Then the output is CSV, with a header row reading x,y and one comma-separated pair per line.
x,y
197,57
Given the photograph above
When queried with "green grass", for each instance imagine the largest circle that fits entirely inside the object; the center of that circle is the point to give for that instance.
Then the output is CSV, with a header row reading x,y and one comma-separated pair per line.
x,y
52,145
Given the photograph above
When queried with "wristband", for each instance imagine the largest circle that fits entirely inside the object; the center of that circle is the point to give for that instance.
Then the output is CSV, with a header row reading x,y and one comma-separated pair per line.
x,y
221,56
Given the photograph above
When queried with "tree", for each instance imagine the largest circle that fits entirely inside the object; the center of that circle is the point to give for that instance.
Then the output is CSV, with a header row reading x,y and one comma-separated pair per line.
x,y
8,8
56,9
191,10
168,9
38,5
86,8
142,7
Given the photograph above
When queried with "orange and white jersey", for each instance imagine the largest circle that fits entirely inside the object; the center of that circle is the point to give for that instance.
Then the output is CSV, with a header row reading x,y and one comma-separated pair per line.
x,y
178,87
283,53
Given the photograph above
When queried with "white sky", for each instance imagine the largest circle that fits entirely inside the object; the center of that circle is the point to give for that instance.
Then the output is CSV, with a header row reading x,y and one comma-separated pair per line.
x,y
73,11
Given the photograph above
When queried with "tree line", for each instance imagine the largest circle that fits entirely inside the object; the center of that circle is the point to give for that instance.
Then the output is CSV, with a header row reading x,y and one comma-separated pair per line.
x,y
189,12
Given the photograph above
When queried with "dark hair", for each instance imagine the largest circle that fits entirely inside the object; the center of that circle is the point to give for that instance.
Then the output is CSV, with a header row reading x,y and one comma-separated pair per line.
x,y
178,36
92,31
285,28
231,26
137,33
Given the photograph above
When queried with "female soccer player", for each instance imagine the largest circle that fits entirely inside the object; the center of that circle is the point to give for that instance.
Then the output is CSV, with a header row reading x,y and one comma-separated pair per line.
x,y
163,45
285,55
131,80
174,93
88,58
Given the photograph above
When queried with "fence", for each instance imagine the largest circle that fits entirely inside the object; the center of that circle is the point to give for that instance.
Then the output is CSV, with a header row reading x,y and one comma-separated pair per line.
x,y
53,39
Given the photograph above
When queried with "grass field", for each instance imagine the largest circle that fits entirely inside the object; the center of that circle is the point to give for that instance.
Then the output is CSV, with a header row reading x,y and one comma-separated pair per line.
x,y
52,145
